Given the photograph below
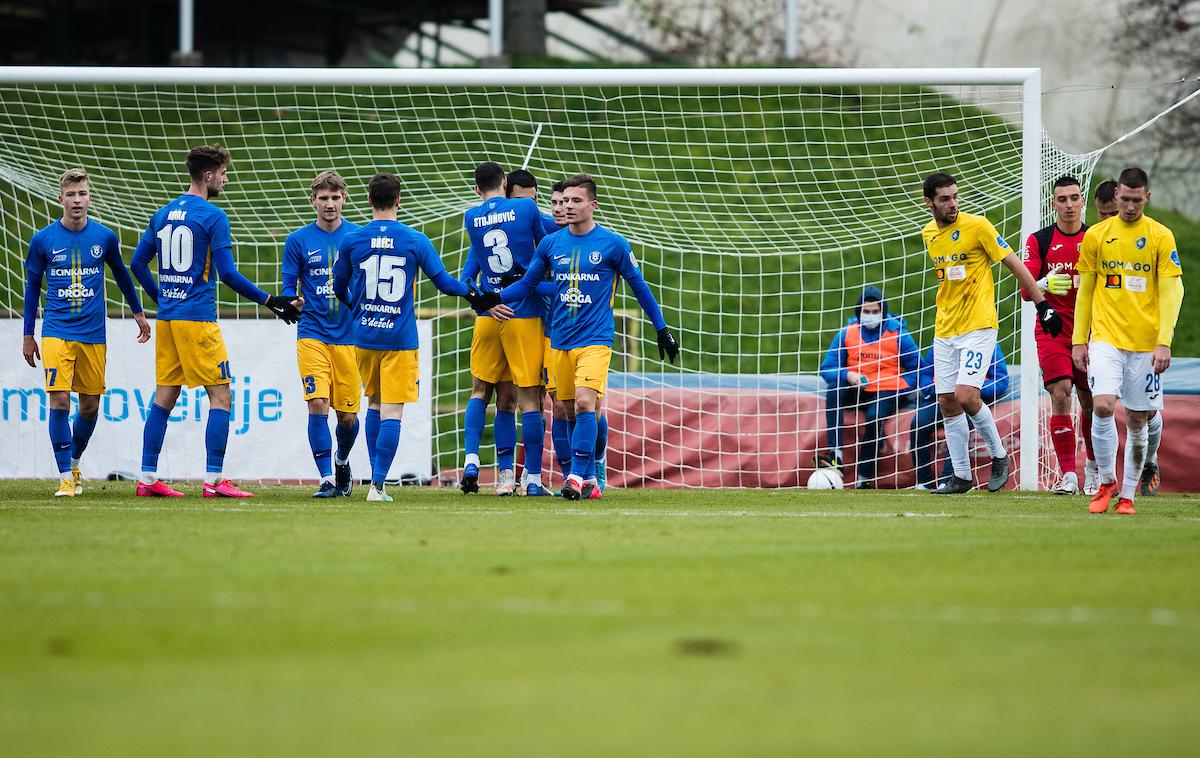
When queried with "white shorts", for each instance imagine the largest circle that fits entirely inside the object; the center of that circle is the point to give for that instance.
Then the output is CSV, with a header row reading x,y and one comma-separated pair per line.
x,y
964,359
1126,374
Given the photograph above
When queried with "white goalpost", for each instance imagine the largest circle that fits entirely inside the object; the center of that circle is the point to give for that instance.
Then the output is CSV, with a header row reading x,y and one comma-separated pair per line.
x,y
760,203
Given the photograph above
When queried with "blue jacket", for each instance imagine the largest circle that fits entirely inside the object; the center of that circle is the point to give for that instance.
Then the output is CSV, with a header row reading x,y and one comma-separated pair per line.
x,y
995,385
834,366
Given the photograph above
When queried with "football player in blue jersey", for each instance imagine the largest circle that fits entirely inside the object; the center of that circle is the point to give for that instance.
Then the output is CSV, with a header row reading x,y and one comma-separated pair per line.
x,y
508,343
325,339
375,274
189,237
522,183
584,262
71,254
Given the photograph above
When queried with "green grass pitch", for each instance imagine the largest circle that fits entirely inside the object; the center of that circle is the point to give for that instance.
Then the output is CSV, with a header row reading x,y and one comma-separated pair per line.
x,y
652,623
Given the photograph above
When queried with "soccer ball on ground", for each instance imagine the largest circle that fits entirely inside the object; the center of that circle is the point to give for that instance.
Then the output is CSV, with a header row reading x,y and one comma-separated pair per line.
x,y
826,479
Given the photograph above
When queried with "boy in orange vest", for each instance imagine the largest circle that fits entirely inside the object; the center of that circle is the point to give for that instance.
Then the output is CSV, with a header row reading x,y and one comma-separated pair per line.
x,y
872,364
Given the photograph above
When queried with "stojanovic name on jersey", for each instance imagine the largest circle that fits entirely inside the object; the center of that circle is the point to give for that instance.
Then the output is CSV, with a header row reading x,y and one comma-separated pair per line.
x,y
492,219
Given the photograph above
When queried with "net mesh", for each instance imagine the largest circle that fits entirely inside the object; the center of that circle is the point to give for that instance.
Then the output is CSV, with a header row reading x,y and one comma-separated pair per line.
x,y
758,214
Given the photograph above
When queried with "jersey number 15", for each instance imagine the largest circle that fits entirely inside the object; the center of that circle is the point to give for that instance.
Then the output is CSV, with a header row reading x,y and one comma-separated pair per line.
x,y
384,277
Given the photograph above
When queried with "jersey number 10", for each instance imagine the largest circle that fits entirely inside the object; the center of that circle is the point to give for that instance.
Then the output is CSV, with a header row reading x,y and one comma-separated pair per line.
x,y
176,245
384,277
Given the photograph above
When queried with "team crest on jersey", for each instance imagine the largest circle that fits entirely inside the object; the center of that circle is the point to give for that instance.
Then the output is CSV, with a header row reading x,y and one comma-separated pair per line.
x,y
954,235
1175,258
594,257
97,252
1141,243
1000,241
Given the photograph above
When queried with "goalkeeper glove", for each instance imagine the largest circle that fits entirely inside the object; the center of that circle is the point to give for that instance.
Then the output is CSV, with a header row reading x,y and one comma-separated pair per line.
x,y
667,346
283,309
1051,322
1055,284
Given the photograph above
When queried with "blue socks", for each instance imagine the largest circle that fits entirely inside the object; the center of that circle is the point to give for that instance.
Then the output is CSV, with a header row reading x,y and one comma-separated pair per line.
x,y
372,431
583,442
533,436
560,435
473,421
216,436
60,440
345,439
81,434
601,435
385,450
505,429
321,443
152,436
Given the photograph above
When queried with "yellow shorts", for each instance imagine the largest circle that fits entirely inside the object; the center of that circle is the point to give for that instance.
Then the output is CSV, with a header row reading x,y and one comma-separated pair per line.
x,y
582,367
190,353
548,367
393,375
508,352
73,366
329,371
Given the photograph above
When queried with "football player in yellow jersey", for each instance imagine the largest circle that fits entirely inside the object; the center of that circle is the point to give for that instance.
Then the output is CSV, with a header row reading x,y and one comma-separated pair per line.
x,y
963,248
1106,207
1130,292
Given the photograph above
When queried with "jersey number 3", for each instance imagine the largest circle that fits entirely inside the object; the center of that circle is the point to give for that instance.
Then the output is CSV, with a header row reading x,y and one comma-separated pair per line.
x,y
501,259
176,245
384,277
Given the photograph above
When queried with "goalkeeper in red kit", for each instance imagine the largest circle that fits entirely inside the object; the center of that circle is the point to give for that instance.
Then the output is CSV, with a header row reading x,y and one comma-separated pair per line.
x,y
1050,255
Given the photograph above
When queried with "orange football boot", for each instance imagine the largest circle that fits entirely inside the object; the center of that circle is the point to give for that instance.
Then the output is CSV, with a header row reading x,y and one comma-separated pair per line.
x,y
1125,507
1103,497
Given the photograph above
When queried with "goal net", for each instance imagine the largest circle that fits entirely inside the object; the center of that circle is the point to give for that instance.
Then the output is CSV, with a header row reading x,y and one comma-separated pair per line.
x,y
760,204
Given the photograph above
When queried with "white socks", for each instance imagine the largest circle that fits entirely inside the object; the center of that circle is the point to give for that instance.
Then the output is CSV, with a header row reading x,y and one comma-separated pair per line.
x,y
471,458
1135,459
958,435
148,478
987,429
212,477
1154,436
1104,445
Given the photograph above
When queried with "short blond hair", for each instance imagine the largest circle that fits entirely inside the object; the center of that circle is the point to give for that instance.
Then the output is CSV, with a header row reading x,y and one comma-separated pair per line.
x,y
330,180
72,176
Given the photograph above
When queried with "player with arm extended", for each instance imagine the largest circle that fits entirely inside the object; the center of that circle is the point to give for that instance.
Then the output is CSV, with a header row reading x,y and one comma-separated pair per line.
x,y
375,274
1130,292
584,261
963,247
71,254
1050,255
507,344
190,237
325,339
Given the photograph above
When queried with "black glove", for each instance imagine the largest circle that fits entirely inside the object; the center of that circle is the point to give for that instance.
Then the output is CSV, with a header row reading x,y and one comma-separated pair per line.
x,y
1051,322
512,277
667,346
283,309
481,302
